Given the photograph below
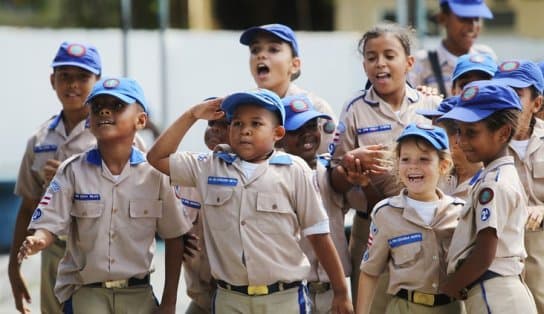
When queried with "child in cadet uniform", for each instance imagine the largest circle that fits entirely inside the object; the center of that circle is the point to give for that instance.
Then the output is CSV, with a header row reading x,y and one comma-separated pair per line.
x,y
462,21
540,114
110,203
257,202
472,67
198,279
369,122
302,139
76,68
274,62
411,232
487,251
527,149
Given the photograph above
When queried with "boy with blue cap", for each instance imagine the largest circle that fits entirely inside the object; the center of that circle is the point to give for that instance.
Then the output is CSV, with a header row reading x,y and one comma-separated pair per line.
x,y
257,204
527,149
76,68
302,139
487,252
462,22
110,203
472,67
275,63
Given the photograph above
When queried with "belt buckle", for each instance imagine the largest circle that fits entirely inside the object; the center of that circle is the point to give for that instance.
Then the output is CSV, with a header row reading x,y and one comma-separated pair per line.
x,y
257,290
423,298
116,284
317,286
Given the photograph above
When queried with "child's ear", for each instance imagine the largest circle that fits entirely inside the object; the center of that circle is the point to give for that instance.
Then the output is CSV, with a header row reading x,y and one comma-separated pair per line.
x,y
504,133
537,104
295,65
410,60
441,18
52,80
279,132
141,120
445,166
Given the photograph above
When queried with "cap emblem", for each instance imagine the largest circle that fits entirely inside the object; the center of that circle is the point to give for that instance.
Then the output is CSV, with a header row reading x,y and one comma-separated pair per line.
x,y
422,126
111,83
477,59
76,50
469,93
509,66
299,105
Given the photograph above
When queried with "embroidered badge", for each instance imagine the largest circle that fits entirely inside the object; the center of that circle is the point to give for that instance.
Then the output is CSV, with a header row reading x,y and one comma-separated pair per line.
x,y
376,128
423,126
477,58
46,199
485,196
509,66
298,105
469,93
341,128
190,203
37,214
202,157
86,197
484,216
45,148
329,127
111,83
222,181
54,187
76,50
365,256
405,239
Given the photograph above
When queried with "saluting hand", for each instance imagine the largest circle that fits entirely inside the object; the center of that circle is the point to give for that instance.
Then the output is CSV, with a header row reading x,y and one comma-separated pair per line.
x,y
208,110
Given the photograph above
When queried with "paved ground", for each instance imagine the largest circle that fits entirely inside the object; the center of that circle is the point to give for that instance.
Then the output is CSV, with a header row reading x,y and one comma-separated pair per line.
x,y
31,270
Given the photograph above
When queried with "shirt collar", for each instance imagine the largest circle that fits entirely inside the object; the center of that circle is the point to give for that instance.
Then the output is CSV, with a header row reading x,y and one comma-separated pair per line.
x,y
371,97
55,122
136,157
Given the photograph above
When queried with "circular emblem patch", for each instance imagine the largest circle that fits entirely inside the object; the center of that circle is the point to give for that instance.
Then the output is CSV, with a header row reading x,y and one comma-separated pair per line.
x,y
477,59
341,127
484,216
469,93
365,256
485,196
508,66
76,50
329,127
299,105
37,214
422,126
111,83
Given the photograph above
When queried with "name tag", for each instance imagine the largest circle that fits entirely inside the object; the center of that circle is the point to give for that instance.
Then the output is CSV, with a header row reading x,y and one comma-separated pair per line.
x,y
376,128
86,197
405,239
222,181
45,148
190,203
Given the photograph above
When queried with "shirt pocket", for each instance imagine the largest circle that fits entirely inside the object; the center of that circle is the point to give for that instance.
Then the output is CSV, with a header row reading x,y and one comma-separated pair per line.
x,y
145,213
406,255
40,159
537,183
87,215
219,212
275,214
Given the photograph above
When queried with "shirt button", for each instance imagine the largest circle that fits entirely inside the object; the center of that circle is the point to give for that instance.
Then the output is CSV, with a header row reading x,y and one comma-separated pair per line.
x,y
114,210
84,214
274,206
243,222
145,212
434,285
218,199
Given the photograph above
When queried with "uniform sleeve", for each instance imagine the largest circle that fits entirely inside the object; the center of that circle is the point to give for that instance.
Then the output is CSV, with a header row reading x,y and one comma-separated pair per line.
x,y
376,256
345,137
185,167
173,222
493,203
54,210
308,203
29,183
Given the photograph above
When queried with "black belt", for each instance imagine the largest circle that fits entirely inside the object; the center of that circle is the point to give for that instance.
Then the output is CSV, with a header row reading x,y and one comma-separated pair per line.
x,y
361,214
424,298
318,287
259,290
124,283
486,276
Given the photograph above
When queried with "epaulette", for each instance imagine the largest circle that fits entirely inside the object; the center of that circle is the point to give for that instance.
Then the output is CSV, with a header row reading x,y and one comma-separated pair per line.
x,y
324,159
458,201
354,100
381,204
68,161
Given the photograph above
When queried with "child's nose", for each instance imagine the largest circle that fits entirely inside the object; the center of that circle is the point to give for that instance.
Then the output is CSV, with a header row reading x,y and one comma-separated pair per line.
x,y
104,111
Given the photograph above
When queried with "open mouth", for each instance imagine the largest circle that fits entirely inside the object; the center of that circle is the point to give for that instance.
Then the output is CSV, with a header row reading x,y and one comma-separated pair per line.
x,y
262,69
415,178
382,76
104,122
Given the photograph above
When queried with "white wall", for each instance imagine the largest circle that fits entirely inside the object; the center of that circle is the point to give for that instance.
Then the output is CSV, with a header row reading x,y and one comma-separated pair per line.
x,y
200,65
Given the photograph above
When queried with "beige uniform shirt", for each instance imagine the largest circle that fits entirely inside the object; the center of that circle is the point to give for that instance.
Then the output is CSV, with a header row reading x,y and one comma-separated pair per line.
x,y
336,206
196,269
252,226
450,185
49,142
422,72
367,119
110,222
414,252
325,126
496,201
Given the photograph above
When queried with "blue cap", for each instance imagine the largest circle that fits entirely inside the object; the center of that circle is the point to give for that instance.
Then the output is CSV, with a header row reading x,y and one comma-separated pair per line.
x,y
281,31
260,97
299,110
79,55
435,135
445,106
520,74
474,62
480,99
541,66
469,8
128,90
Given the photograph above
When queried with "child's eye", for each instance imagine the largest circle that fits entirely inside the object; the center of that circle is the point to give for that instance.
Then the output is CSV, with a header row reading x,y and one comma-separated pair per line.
x,y
254,50
274,49
236,123
256,123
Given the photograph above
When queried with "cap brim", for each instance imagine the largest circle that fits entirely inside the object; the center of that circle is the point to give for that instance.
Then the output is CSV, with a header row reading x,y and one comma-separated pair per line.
x,y
298,120
471,10
429,112
512,82
76,64
126,99
479,69
427,138
234,100
466,115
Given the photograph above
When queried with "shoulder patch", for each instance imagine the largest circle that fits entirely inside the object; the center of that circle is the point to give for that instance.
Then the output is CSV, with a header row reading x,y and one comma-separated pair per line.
x,y
485,196
485,214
